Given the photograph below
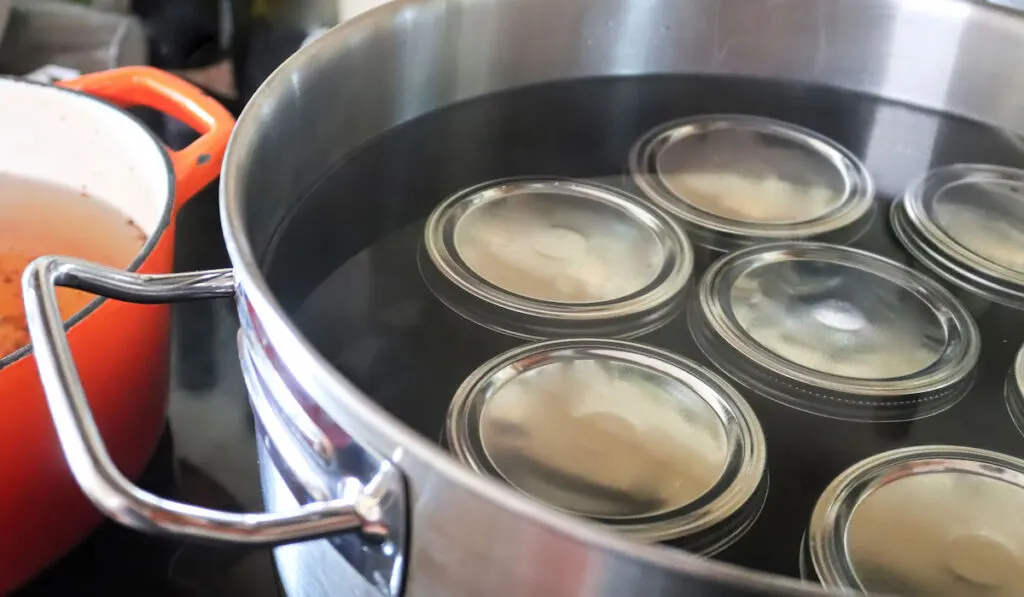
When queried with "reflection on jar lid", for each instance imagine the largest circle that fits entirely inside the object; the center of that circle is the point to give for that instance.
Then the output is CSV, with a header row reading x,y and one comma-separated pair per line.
x,y
555,252
645,442
1015,390
737,180
928,521
966,223
836,331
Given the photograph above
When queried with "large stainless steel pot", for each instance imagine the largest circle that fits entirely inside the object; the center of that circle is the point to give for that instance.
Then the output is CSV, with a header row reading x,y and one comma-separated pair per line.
x,y
399,515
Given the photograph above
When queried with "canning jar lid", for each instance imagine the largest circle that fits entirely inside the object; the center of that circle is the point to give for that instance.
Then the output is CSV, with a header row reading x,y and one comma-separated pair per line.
x,y
941,521
737,180
649,444
541,257
836,331
1015,390
965,222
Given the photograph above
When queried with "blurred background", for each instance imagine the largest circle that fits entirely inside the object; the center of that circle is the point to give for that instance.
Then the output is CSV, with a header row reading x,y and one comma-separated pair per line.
x,y
228,46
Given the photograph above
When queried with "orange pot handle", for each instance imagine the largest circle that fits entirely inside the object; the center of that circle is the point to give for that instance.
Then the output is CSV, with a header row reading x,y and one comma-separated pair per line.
x,y
194,166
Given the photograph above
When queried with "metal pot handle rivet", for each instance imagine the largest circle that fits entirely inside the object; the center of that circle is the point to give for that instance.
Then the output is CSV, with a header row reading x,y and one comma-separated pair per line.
x,y
357,511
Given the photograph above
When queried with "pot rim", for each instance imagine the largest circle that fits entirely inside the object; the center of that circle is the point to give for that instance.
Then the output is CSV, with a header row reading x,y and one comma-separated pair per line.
x,y
152,239
321,375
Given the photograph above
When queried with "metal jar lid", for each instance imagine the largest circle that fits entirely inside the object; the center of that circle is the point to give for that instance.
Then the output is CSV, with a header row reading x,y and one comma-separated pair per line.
x,y
965,222
1015,390
649,444
836,331
737,180
940,521
545,257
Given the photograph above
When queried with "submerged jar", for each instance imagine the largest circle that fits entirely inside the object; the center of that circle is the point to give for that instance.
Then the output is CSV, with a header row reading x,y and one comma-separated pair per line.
x,y
836,331
926,521
738,180
551,257
639,440
965,223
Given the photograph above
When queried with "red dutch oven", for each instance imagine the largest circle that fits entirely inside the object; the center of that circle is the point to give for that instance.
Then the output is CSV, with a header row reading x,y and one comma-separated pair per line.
x,y
77,135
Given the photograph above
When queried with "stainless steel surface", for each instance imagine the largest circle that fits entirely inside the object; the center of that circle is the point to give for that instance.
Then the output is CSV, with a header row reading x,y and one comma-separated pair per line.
x,y
1014,391
379,565
624,434
966,223
735,180
559,250
931,521
260,374
425,55
829,330
471,536
360,508
299,563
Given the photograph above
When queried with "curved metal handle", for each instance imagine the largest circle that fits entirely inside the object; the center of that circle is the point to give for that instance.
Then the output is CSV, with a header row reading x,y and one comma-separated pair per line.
x,y
357,510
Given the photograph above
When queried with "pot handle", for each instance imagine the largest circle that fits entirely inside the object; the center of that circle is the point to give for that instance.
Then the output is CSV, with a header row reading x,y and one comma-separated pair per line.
x,y
194,166
359,510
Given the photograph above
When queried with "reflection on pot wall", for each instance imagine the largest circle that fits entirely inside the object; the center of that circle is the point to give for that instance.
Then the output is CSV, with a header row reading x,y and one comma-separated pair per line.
x,y
1015,4
351,8
313,14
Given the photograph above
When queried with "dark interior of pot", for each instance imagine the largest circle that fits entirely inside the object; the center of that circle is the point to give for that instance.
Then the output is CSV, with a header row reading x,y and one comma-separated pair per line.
x,y
860,346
